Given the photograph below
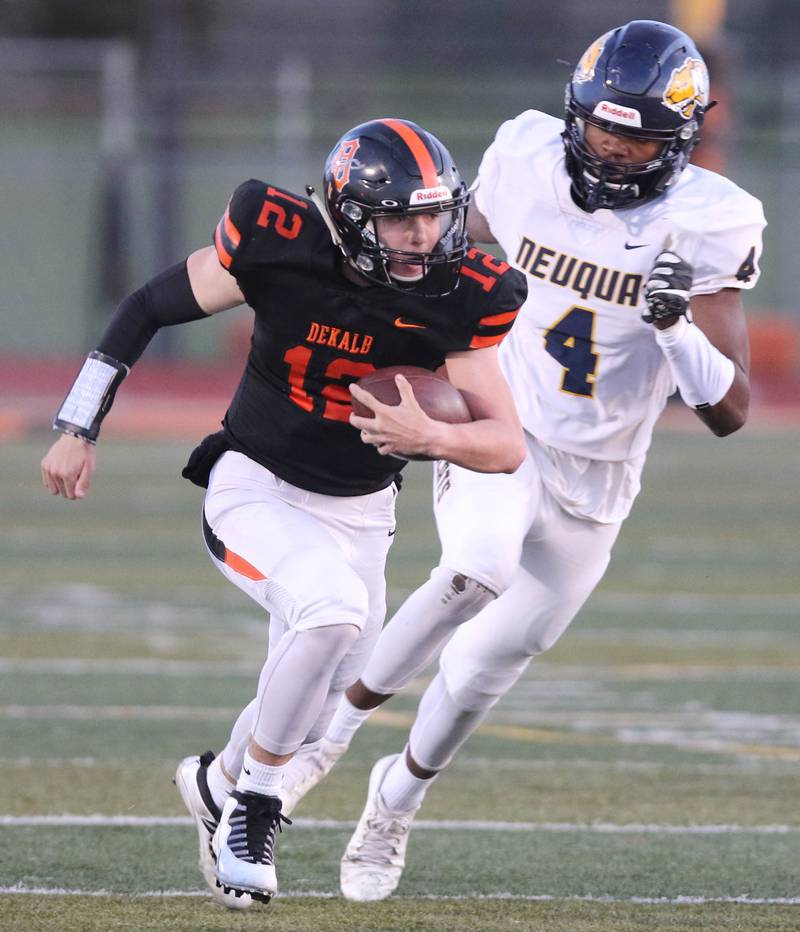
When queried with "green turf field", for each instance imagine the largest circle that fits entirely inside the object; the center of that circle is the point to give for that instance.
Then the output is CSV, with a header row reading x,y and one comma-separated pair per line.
x,y
643,774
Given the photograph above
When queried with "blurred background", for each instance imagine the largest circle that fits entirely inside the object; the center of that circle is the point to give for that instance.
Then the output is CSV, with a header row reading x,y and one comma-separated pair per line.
x,y
126,126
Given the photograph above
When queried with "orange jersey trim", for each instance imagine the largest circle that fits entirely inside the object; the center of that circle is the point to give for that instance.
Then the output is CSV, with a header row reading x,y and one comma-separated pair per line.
x,y
430,177
233,234
222,253
495,320
226,239
480,342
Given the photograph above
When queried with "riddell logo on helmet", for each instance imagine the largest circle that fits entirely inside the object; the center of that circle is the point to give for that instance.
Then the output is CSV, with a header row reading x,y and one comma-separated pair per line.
x,y
427,195
626,116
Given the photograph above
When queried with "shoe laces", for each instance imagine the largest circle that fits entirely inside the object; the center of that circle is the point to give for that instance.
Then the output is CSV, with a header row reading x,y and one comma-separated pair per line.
x,y
253,824
383,837
306,766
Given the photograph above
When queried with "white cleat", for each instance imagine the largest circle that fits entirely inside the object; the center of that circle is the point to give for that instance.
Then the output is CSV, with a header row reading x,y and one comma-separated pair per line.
x,y
310,764
376,854
243,844
190,778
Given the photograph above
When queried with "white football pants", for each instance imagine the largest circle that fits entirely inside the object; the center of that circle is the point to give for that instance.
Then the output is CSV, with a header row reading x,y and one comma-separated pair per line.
x,y
313,562
506,533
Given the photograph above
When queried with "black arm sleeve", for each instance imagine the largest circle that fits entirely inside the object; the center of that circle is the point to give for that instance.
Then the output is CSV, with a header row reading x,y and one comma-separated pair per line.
x,y
165,300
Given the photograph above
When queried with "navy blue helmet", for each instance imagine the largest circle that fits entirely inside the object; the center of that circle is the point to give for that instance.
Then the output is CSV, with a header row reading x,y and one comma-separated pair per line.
x,y
647,80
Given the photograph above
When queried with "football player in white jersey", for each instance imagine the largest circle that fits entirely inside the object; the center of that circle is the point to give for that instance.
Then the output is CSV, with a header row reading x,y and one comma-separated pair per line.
x,y
635,263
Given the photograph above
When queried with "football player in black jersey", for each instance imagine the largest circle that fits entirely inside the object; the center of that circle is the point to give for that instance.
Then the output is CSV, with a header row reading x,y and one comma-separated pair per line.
x,y
299,511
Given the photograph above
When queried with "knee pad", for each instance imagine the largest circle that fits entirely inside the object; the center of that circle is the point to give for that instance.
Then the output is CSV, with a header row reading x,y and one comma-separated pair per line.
x,y
421,626
294,686
460,593
311,600
476,682
492,568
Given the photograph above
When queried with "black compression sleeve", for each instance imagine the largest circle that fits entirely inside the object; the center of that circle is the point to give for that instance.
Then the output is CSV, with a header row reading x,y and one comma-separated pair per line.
x,y
165,300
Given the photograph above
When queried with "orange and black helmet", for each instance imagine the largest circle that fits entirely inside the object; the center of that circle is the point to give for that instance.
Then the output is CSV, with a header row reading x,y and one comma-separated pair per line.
x,y
393,166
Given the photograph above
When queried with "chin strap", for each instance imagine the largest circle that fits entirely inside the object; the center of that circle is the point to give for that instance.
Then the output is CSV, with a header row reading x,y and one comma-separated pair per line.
x,y
337,240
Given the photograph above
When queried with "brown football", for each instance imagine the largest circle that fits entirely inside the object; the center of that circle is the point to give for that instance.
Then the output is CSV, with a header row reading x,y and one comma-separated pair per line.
x,y
434,394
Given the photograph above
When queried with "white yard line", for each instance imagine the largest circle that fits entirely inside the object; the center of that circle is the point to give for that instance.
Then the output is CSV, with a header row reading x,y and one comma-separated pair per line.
x,y
738,768
521,897
453,825
545,670
146,666
88,713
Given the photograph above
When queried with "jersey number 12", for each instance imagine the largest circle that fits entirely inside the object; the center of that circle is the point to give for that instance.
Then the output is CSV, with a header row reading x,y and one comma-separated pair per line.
x,y
338,373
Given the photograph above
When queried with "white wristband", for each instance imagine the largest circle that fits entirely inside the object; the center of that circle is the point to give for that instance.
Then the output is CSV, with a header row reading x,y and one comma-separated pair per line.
x,y
90,397
703,374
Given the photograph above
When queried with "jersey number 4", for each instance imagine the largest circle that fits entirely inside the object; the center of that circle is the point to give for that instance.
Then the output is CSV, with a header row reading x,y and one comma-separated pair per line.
x,y
569,342
339,373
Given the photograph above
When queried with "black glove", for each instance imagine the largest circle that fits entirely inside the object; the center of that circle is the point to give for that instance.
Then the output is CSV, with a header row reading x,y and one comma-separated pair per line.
x,y
668,288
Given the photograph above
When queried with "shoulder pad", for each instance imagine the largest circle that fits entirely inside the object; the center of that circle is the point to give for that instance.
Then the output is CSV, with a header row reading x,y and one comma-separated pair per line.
x,y
494,292
261,220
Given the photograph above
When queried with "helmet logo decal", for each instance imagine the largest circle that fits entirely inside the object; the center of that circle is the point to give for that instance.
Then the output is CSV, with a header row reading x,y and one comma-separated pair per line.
x,y
430,195
615,113
687,88
586,66
342,161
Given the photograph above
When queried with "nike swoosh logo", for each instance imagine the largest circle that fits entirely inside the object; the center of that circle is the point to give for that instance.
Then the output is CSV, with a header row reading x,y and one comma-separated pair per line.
x,y
408,325
635,245
246,771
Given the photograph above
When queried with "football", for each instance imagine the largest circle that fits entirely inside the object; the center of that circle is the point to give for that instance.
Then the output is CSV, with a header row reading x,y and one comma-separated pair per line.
x,y
434,394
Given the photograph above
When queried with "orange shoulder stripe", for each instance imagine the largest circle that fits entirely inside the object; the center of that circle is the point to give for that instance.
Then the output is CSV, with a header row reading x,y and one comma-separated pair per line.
x,y
222,253
495,320
226,238
480,342
230,229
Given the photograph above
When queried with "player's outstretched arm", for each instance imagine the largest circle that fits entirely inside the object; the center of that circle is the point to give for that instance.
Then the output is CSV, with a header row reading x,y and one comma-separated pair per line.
x,y
185,292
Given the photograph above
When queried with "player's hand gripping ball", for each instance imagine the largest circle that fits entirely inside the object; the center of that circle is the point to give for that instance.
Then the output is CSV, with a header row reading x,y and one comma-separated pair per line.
x,y
434,394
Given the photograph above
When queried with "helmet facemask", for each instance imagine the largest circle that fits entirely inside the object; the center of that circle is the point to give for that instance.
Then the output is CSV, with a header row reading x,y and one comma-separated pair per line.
x,y
598,183
436,270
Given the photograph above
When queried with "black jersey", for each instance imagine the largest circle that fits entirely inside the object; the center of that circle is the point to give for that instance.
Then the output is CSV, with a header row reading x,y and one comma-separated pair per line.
x,y
315,332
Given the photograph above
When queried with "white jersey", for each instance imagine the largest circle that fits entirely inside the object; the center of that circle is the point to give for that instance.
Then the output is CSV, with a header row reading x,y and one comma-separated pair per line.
x,y
587,375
